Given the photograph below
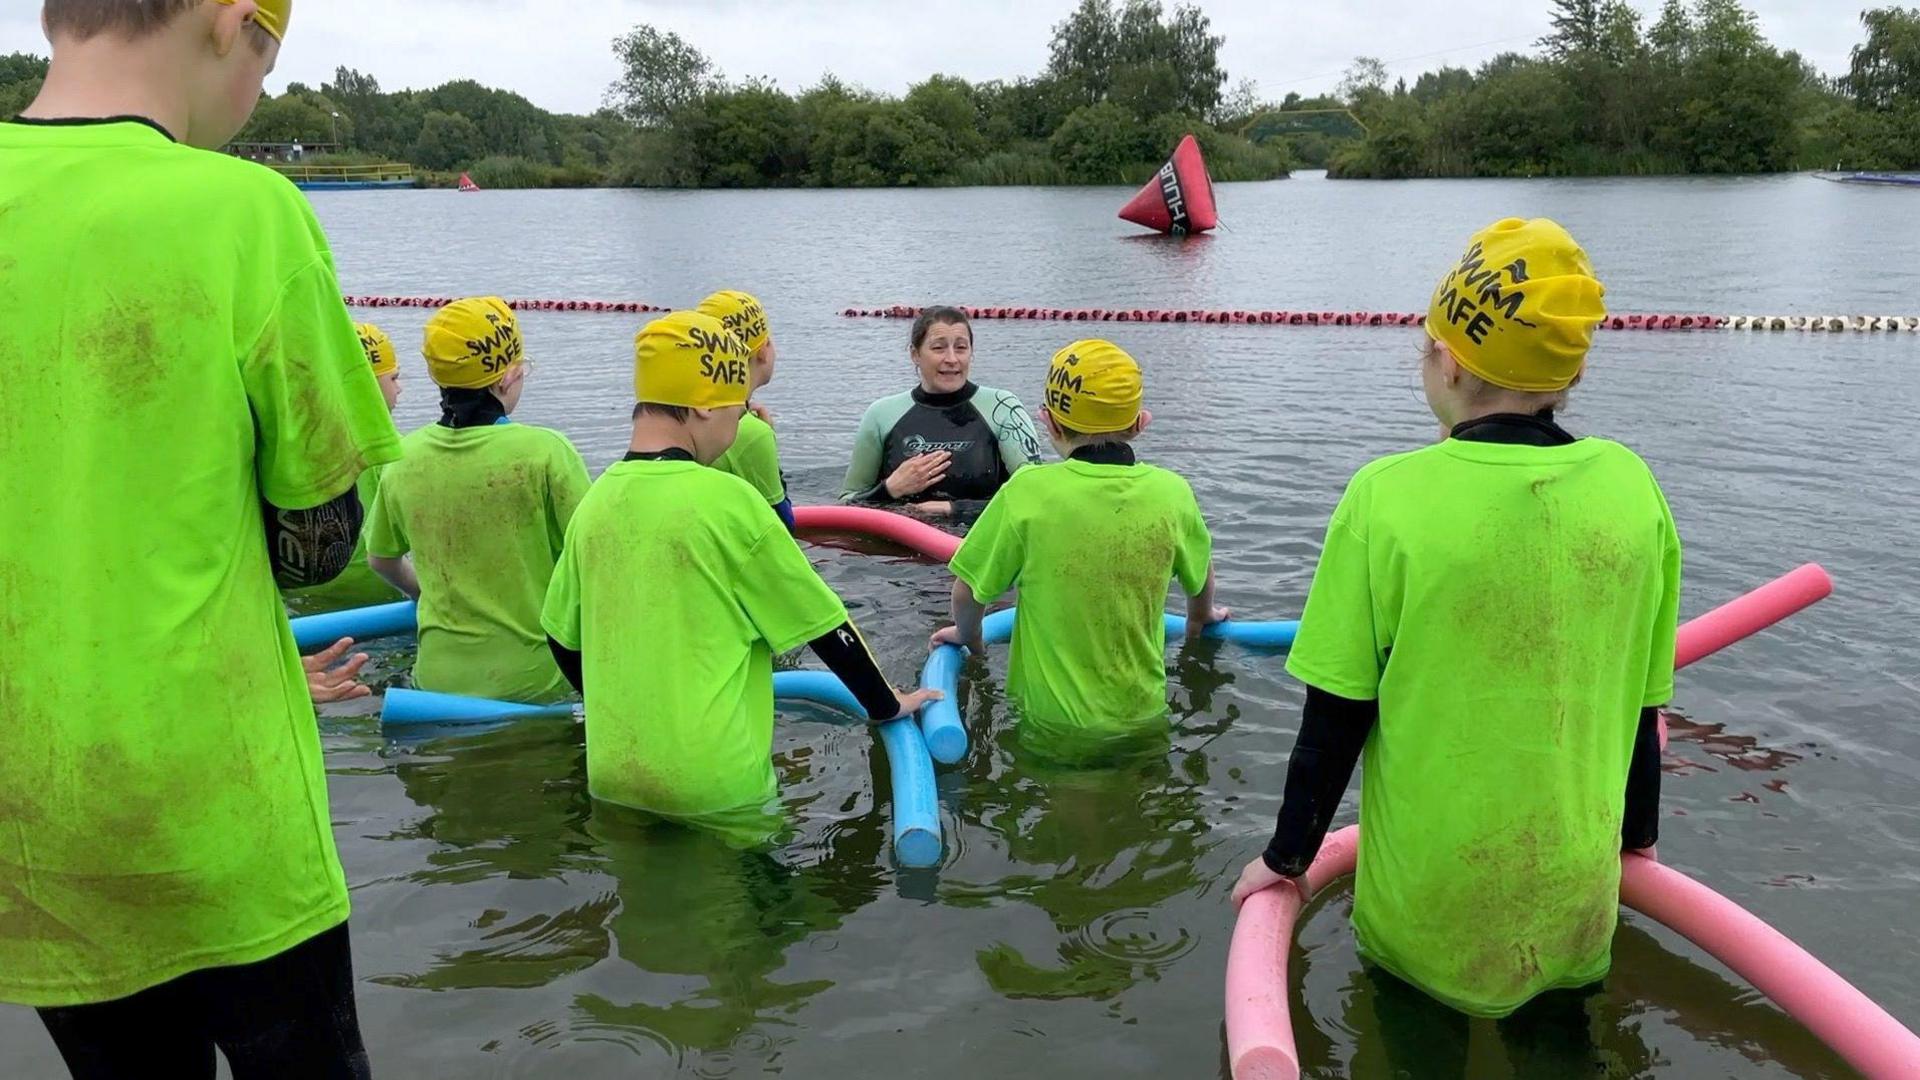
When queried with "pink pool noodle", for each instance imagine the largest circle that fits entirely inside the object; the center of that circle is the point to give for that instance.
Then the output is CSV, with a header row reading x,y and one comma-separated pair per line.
x,y
1748,615
905,531
1260,1042
1841,1016
1259,1021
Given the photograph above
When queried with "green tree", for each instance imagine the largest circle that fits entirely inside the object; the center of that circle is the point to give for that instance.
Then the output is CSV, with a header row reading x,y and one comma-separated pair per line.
x,y
1084,50
448,141
293,118
1365,78
660,75
947,105
1138,56
21,75
1576,28
744,136
1101,144
1886,67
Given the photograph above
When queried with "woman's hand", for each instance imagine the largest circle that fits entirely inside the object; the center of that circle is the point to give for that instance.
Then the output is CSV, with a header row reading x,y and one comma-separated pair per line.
x,y
339,684
917,474
765,414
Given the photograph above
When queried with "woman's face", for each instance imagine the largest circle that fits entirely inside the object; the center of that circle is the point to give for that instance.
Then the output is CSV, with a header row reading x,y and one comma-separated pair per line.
x,y
945,358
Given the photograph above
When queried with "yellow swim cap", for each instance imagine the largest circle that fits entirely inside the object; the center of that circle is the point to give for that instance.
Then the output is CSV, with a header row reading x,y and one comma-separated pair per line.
x,y
379,348
1520,308
741,314
472,344
271,15
689,359
1093,388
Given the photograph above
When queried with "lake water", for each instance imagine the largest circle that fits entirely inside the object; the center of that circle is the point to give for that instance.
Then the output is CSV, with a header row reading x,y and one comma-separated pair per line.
x,y
1080,922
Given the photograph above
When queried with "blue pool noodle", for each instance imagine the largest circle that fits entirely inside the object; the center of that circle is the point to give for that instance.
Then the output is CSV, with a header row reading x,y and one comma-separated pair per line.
x,y
361,624
407,707
940,725
916,810
998,628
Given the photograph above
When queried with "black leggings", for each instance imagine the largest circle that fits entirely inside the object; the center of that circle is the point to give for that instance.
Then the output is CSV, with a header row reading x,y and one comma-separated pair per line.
x,y
1548,1038
288,1016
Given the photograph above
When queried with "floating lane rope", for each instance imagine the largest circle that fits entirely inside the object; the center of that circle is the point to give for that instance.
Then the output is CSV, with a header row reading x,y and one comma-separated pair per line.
x,y
590,306
1829,324
1836,324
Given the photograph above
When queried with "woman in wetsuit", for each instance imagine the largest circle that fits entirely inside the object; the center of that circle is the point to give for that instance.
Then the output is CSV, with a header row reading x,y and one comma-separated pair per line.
x,y
947,445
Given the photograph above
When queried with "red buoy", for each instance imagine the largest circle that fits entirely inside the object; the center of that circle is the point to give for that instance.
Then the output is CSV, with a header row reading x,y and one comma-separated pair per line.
x,y
1179,198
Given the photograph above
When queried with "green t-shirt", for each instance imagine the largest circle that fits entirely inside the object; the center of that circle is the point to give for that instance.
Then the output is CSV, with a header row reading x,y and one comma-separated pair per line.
x,y
483,511
755,458
678,585
1092,548
176,350
357,585
1528,596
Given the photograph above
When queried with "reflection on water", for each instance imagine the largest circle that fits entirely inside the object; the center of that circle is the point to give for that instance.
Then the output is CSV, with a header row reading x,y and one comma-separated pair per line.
x,y
1099,848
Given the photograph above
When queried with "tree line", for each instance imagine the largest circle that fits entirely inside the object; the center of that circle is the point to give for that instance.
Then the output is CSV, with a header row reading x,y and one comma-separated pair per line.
x,y
1123,83
1700,90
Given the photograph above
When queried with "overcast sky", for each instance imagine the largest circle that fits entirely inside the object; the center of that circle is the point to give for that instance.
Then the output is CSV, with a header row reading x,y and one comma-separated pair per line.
x,y
557,53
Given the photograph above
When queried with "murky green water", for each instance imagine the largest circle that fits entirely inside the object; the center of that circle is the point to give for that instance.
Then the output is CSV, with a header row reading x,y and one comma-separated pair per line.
x,y
1079,925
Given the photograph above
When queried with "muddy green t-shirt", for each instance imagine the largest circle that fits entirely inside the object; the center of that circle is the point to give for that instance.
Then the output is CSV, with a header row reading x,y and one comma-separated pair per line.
x,y
755,458
1092,548
483,511
357,585
678,585
175,350
1528,596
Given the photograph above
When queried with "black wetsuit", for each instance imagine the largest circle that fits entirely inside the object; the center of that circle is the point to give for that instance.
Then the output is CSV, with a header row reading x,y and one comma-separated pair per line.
x,y
987,431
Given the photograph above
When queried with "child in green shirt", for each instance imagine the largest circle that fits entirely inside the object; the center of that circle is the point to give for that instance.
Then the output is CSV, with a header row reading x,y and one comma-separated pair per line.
x,y
1492,622
755,454
678,585
1092,543
481,504
187,411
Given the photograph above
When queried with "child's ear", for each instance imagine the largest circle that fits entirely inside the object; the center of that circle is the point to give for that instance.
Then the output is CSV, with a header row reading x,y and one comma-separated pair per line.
x,y
229,22
1046,420
703,415
1140,423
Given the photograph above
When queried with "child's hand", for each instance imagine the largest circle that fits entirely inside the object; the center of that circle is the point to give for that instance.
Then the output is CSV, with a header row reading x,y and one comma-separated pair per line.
x,y
1258,878
1217,614
932,509
339,684
951,636
919,699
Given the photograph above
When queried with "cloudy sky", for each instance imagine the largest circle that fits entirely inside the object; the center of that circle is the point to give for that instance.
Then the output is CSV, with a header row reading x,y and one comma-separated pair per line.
x,y
557,54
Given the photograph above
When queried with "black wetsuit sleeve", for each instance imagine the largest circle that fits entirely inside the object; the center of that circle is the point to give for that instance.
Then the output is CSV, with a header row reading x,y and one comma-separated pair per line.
x,y
311,547
874,496
1333,731
568,662
846,654
1640,825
